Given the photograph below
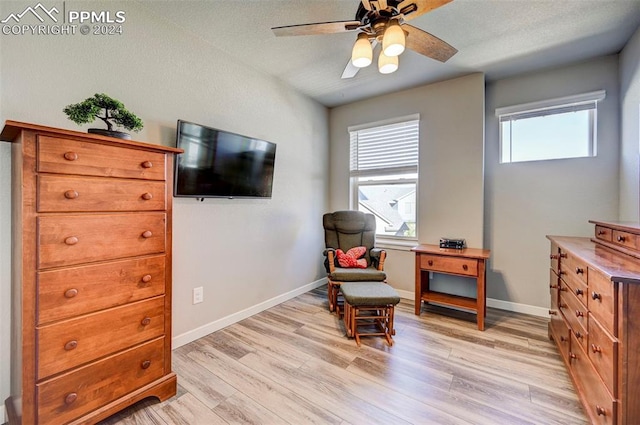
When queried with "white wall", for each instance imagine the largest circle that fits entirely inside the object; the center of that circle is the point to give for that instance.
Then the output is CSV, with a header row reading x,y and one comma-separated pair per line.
x,y
528,200
451,164
630,130
243,252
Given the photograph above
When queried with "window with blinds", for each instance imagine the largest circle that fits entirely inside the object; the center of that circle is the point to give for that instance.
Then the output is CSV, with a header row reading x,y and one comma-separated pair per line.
x,y
384,175
553,129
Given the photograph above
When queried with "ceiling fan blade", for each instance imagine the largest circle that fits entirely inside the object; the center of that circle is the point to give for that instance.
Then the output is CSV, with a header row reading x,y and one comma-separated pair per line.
x,y
317,28
414,8
351,70
427,44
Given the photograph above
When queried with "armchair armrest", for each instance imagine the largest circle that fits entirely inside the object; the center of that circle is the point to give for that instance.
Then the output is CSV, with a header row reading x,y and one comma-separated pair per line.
x,y
378,256
330,262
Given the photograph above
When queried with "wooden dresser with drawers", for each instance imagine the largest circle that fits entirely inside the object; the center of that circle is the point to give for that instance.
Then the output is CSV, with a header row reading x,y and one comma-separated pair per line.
x,y
91,278
595,318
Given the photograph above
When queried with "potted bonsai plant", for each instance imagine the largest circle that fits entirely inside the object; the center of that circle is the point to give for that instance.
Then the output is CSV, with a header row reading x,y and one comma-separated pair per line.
x,y
107,109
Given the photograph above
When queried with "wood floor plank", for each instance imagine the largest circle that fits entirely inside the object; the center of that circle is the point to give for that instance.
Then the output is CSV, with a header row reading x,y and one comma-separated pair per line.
x,y
240,409
272,395
293,364
188,410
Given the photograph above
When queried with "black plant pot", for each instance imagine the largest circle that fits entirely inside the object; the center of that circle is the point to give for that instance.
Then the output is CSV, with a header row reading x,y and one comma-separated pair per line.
x,y
110,133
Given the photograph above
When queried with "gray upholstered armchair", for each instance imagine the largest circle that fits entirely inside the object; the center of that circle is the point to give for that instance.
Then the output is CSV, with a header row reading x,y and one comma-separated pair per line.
x,y
346,230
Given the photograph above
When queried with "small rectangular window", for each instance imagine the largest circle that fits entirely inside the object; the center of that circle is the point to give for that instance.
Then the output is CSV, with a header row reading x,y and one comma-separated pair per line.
x,y
384,175
552,129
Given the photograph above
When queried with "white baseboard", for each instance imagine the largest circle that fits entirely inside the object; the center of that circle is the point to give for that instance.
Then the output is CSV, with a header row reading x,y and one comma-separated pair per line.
x,y
204,330
2,415
493,303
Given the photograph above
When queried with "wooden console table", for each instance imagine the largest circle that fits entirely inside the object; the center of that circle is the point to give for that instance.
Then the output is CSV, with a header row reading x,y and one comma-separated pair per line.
x,y
468,262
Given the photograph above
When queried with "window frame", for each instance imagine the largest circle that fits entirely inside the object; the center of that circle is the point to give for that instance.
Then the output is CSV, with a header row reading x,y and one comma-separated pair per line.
x,y
581,102
411,173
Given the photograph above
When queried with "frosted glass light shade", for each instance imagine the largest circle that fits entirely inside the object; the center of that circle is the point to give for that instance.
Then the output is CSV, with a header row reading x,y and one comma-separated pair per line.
x,y
387,64
393,41
362,53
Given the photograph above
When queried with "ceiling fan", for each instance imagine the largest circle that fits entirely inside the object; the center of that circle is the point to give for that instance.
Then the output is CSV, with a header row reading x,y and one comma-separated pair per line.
x,y
385,22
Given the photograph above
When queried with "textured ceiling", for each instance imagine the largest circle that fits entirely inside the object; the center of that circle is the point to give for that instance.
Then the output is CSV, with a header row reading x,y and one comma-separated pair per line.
x,y
497,37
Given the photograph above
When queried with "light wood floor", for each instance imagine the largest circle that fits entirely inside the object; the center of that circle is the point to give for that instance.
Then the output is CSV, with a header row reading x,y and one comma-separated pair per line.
x,y
292,364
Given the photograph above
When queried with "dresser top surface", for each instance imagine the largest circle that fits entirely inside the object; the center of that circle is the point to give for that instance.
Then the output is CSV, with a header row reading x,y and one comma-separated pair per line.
x,y
12,129
482,254
617,266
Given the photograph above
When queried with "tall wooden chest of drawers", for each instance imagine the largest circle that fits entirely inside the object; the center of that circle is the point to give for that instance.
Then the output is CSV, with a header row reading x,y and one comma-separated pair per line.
x,y
595,318
91,278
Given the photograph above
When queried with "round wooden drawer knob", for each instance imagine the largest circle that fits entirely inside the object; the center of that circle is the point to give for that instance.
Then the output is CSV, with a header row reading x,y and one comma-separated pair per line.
x,y
563,339
553,312
430,262
601,411
572,356
145,321
579,313
596,296
554,256
147,234
71,345
71,240
579,335
146,278
70,398
71,194
147,196
70,293
601,232
596,348
621,238
579,292
147,164
70,156
145,364
465,267
579,270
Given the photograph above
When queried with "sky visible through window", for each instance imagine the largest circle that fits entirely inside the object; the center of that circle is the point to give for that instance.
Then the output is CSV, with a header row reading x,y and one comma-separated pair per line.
x,y
554,136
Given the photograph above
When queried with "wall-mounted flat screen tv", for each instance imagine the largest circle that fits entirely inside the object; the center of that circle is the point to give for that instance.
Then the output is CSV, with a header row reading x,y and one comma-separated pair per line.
x,y
217,163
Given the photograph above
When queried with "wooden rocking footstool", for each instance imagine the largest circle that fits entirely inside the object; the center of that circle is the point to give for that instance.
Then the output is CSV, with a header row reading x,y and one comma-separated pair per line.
x,y
366,304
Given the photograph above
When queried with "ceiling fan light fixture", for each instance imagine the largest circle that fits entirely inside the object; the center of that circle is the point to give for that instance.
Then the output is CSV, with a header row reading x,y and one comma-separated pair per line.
x,y
387,64
362,53
393,41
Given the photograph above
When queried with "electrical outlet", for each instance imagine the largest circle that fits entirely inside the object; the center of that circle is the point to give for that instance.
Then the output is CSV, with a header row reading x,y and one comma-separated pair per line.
x,y
198,295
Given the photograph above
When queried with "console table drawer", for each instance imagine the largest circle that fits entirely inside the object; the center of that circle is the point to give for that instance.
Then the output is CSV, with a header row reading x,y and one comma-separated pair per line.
x,y
71,343
67,156
68,240
452,265
71,395
604,233
63,194
69,292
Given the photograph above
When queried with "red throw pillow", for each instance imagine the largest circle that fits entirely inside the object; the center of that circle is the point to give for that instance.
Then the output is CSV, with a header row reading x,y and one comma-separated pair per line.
x,y
352,258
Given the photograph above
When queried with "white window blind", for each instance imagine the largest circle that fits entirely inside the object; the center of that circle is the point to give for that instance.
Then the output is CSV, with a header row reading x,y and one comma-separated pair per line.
x,y
390,149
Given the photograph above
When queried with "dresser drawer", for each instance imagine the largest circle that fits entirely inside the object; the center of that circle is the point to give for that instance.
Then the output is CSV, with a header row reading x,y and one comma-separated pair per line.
x,y
598,403
441,263
576,315
63,194
75,239
603,300
604,233
68,292
70,343
577,287
574,268
73,394
603,352
66,156
559,329
627,240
